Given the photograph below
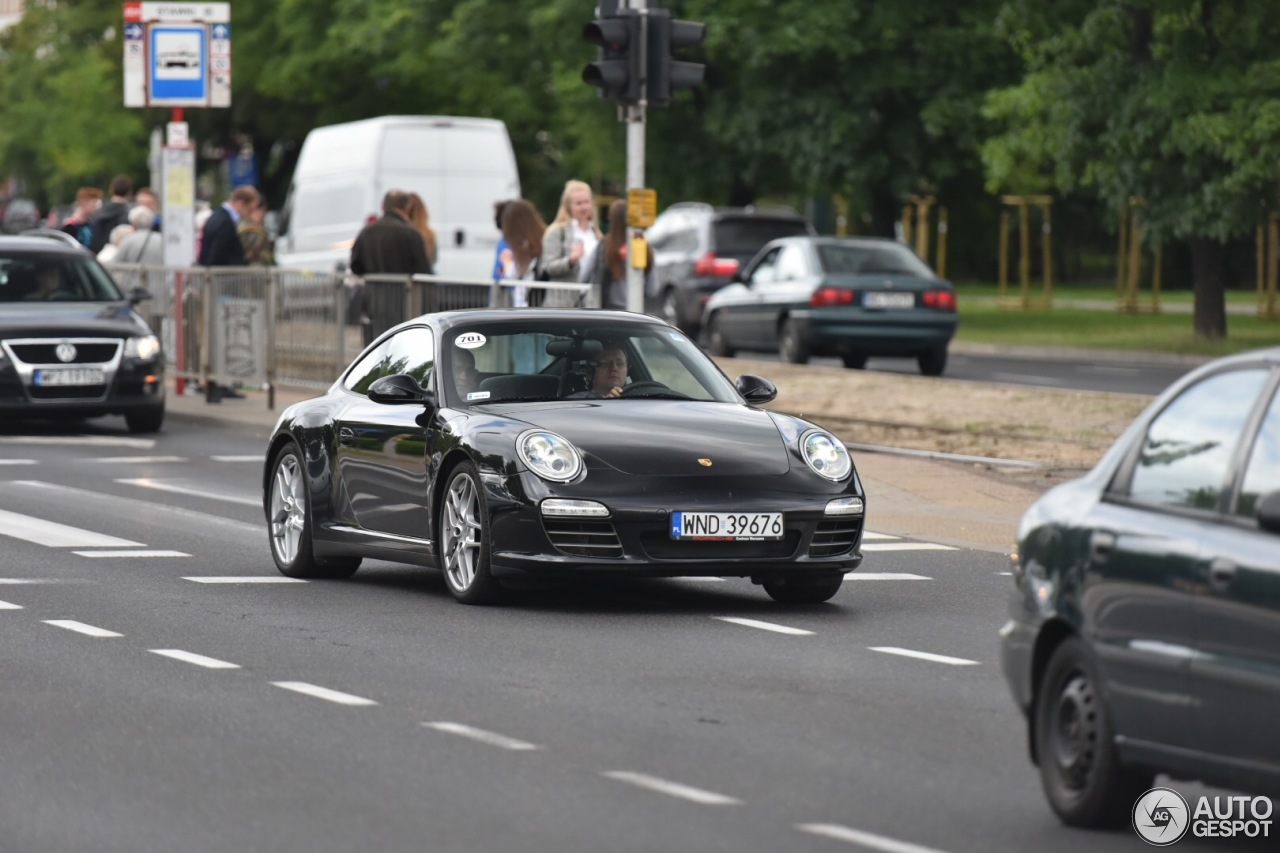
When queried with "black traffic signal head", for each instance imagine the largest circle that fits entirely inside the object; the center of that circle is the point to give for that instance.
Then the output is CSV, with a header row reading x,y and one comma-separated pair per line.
x,y
666,74
618,68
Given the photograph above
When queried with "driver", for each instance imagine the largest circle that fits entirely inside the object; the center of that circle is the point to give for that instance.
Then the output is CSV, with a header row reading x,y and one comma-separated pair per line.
x,y
609,375
464,372
48,281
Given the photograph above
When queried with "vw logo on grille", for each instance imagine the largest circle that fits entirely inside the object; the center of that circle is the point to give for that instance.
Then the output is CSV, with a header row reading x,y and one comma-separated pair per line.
x,y
65,352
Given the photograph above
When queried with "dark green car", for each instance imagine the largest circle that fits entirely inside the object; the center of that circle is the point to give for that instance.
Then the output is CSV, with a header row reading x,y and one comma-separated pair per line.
x,y
1145,629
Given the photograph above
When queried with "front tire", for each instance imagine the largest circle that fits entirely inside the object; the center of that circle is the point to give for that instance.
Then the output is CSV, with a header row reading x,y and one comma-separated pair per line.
x,y
1079,768
464,539
804,590
716,339
791,345
289,523
145,420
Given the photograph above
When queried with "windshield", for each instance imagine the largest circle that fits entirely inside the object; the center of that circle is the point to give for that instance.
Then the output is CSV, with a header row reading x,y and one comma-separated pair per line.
x,y
584,359
866,259
54,277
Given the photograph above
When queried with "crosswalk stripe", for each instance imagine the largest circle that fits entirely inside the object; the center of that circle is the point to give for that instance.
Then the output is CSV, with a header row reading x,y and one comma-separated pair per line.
x,y
53,535
244,579
908,546
884,576
81,628
130,554
4,605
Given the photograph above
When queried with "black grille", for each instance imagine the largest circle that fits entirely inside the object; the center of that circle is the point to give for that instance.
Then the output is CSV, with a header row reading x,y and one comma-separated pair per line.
x,y
834,537
660,546
45,353
67,392
595,539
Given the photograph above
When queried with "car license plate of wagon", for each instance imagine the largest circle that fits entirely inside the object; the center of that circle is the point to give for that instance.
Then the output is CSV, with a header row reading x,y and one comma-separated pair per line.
x,y
889,300
727,526
70,376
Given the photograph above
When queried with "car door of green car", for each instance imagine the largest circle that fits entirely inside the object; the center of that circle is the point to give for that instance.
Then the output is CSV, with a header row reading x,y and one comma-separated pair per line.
x,y
1236,671
1146,538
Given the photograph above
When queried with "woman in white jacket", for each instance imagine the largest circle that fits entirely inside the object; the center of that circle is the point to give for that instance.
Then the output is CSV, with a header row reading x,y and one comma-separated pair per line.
x,y
569,241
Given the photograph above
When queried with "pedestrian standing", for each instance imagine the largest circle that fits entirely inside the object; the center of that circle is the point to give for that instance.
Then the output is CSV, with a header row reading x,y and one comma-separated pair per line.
x,y
144,245
118,235
254,238
79,223
146,197
607,272
420,219
115,212
571,238
219,243
387,246
523,230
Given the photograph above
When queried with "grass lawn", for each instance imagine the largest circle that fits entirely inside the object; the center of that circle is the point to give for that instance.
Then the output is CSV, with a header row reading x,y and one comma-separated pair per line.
x,y
982,322
1068,292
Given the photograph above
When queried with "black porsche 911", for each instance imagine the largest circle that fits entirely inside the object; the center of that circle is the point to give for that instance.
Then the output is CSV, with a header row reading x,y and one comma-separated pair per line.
x,y
537,443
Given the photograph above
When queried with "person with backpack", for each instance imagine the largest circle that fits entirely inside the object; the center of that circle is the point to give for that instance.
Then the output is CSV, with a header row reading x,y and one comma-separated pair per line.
x,y
115,212
79,224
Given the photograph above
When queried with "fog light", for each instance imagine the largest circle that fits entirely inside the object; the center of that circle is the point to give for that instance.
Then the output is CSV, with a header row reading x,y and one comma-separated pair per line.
x,y
563,508
845,506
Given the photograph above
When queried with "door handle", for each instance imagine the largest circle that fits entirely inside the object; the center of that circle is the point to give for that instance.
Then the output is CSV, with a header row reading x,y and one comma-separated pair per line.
x,y
1101,544
346,437
1222,573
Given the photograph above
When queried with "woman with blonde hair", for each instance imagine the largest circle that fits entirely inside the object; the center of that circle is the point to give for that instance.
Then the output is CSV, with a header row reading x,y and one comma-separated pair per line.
x,y
420,220
570,241
523,229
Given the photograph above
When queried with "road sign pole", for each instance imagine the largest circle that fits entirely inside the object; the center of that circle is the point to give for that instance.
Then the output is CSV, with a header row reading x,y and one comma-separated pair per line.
x,y
635,118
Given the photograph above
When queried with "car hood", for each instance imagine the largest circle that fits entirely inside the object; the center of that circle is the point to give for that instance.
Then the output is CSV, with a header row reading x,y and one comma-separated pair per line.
x,y
667,437
69,319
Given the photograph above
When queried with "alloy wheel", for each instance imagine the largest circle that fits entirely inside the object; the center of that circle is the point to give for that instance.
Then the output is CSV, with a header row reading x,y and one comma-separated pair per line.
x,y
460,533
288,509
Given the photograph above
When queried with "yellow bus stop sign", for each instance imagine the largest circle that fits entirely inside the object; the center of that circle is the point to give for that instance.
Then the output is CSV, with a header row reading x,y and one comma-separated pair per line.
x,y
642,207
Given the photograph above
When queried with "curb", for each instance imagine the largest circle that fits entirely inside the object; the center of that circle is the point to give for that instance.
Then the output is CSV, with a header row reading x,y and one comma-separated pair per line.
x,y
1111,356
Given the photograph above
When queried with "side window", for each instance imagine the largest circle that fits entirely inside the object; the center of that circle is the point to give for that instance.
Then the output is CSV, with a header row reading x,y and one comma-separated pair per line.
x,y
1188,447
368,370
1262,476
765,271
791,264
413,352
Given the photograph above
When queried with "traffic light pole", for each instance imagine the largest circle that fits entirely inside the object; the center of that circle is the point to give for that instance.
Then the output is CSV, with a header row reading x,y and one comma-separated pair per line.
x,y
635,121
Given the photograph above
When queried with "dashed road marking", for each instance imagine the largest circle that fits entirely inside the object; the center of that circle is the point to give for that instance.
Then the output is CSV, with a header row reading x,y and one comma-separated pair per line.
x,y
81,628
864,839
765,626
325,693
4,605
885,576
257,458
19,461
198,660
130,554
202,519
929,656
53,535
700,580
125,460
80,441
244,579
672,789
148,483
870,535
908,546
491,738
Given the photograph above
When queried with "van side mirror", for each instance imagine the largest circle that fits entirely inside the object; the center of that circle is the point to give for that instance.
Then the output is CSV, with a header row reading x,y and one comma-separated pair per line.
x,y
399,390
1269,512
755,389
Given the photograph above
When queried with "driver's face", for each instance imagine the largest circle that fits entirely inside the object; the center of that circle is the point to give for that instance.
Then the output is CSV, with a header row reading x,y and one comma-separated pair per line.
x,y
611,371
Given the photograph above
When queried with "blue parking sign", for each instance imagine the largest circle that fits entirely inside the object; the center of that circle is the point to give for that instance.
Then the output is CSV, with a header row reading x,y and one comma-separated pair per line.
x,y
179,65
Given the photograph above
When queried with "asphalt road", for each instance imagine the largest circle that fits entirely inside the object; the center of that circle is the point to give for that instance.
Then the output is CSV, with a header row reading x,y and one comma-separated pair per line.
x,y
150,705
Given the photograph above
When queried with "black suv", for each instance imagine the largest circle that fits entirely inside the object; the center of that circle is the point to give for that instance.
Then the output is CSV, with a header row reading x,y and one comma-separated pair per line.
x,y
71,344
697,248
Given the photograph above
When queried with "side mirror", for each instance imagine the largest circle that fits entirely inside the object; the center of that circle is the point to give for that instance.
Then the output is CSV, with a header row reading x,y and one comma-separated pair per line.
x,y
737,278
400,390
755,389
138,294
1269,512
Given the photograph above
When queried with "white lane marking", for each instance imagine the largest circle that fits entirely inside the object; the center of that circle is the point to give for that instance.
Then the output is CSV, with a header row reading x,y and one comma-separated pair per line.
x,y
257,458
18,461
764,626
864,839
869,535
929,656
53,535
81,628
204,519
908,546
672,789
491,738
324,693
116,460
148,483
16,581
130,554
244,579
4,605
884,576
80,440
700,580
1005,574
198,660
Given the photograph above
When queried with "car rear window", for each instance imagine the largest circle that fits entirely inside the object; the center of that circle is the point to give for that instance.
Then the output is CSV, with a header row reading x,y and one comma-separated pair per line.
x,y
862,259
748,235
54,277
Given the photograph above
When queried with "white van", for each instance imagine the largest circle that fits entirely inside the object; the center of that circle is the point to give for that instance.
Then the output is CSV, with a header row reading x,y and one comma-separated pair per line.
x,y
460,167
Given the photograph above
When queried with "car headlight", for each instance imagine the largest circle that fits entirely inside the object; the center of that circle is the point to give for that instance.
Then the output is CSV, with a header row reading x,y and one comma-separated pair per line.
x,y
826,455
548,455
146,346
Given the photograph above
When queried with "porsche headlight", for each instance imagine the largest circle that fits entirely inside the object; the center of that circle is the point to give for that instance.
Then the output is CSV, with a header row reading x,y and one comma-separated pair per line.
x,y
549,456
144,347
826,455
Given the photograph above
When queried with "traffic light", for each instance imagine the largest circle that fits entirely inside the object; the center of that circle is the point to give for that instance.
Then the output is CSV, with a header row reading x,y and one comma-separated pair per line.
x,y
666,74
618,68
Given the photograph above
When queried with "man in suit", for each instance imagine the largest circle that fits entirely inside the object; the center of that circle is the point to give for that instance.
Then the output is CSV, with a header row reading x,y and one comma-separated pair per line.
x,y
219,240
387,246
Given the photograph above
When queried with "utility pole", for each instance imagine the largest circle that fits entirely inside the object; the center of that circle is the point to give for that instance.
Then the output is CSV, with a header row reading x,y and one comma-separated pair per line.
x,y
635,121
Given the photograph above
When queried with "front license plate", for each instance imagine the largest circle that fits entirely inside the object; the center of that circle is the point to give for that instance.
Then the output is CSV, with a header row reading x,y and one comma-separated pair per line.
x,y
727,526
889,300
70,376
